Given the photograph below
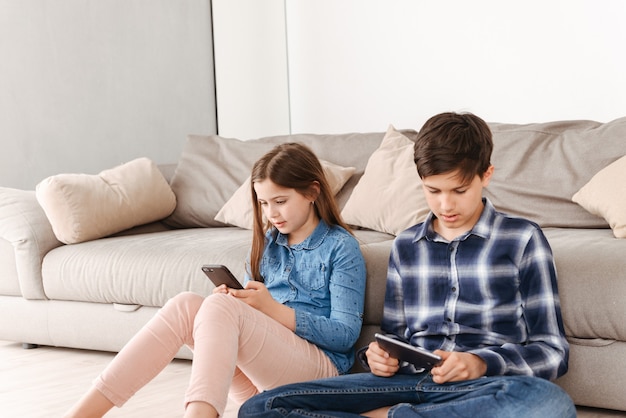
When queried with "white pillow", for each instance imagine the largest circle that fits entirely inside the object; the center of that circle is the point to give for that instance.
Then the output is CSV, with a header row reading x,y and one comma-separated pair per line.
x,y
238,209
389,197
83,207
605,196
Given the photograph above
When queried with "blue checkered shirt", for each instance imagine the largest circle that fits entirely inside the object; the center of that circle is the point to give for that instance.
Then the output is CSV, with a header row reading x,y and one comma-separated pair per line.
x,y
491,292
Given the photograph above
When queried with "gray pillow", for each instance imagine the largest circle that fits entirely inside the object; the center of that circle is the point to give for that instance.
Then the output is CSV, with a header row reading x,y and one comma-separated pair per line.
x,y
540,166
211,169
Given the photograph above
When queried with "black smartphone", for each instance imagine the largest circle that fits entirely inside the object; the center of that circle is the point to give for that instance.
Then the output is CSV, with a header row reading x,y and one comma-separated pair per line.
x,y
419,357
220,274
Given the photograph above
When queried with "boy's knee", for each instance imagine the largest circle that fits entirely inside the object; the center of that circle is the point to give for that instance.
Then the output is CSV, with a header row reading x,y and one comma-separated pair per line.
x,y
544,398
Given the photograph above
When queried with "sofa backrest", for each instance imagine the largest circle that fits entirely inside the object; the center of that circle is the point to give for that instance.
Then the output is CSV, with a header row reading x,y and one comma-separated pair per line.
x,y
212,168
539,167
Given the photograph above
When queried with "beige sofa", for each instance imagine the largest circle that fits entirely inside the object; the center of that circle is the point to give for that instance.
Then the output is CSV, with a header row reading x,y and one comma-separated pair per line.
x,y
95,292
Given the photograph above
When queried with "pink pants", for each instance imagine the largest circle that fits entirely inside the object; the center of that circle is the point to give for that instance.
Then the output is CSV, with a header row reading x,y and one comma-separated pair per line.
x,y
236,350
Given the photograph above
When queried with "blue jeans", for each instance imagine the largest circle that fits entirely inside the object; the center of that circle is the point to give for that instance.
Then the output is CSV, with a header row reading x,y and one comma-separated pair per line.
x,y
413,396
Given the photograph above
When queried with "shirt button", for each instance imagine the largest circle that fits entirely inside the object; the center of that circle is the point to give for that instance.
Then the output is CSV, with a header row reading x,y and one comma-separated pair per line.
x,y
453,289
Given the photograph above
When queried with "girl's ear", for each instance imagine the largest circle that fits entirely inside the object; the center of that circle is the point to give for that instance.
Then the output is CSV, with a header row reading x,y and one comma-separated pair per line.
x,y
314,190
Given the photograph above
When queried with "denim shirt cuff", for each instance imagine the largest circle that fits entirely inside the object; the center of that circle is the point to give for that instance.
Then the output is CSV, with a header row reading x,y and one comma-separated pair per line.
x,y
302,329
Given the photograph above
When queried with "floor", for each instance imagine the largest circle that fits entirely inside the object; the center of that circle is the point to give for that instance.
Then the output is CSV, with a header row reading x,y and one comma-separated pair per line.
x,y
44,382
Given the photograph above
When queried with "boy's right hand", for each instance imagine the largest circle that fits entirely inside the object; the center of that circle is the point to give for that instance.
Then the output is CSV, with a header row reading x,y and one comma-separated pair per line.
x,y
380,362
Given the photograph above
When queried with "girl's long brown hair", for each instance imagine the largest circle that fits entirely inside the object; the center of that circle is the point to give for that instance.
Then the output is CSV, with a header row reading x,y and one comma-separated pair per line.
x,y
294,166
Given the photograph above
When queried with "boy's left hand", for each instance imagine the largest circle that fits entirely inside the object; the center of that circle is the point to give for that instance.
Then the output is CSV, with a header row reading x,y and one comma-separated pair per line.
x,y
457,366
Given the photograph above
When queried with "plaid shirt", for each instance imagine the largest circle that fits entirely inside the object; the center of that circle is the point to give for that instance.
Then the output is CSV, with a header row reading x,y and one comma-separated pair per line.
x,y
491,292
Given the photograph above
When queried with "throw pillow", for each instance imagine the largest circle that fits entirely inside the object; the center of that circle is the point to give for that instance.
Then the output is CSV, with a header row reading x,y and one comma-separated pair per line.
x,y
389,197
605,196
238,209
83,207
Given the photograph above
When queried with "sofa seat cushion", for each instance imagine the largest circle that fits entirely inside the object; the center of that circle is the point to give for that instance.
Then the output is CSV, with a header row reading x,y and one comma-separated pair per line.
x,y
148,269
590,266
143,269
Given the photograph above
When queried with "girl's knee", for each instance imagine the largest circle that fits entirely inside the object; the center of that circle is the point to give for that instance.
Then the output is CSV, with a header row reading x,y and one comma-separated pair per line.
x,y
186,298
185,303
221,301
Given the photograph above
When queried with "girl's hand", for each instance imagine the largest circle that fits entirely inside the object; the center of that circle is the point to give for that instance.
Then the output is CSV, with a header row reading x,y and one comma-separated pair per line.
x,y
380,362
256,295
458,366
221,289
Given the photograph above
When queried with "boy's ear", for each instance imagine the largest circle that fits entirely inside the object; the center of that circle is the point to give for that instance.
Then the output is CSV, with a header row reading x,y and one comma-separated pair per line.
x,y
487,175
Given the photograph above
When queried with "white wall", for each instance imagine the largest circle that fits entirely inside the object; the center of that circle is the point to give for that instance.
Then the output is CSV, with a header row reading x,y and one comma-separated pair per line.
x,y
251,67
89,84
358,65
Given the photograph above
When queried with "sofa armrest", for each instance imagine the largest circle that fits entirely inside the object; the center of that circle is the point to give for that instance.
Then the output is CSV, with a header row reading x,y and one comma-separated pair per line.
x,y
25,226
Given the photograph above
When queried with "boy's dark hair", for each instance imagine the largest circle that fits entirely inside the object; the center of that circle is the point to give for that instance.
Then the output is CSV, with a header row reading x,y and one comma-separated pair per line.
x,y
453,141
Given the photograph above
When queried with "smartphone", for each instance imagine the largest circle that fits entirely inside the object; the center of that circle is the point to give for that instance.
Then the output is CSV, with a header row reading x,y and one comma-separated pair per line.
x,y
220,274
419,357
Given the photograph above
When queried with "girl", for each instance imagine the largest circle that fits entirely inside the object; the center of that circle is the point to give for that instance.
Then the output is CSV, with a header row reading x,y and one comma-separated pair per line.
x,y
297,318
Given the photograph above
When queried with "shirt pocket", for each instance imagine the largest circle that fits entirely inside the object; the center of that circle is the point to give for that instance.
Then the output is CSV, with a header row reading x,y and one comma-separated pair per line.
x,y
271,268
312,276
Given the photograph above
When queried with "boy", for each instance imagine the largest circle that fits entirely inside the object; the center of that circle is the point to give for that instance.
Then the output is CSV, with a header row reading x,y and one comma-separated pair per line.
x,y
474,285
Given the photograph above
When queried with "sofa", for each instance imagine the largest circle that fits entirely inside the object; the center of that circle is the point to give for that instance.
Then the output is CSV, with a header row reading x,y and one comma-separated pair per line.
x,y
87,259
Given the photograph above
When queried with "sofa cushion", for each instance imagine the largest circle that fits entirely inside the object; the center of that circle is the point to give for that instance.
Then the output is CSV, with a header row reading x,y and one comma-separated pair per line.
x,y
212,168
238,209
389,197
143,269
605,195
82,207
590,265
539,167
148,269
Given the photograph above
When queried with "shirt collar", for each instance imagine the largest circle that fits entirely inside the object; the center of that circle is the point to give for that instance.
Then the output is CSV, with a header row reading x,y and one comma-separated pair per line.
x,y
482,228
312,241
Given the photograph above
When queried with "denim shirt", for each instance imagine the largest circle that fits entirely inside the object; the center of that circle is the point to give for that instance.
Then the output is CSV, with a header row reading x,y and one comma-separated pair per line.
x,y
323,280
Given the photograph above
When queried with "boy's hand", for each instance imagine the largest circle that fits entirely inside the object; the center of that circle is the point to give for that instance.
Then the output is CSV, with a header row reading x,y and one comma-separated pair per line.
x,y
458,366
381,364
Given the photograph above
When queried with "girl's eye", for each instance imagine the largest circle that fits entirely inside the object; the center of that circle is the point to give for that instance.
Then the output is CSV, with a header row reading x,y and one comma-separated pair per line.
x,y
280,202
